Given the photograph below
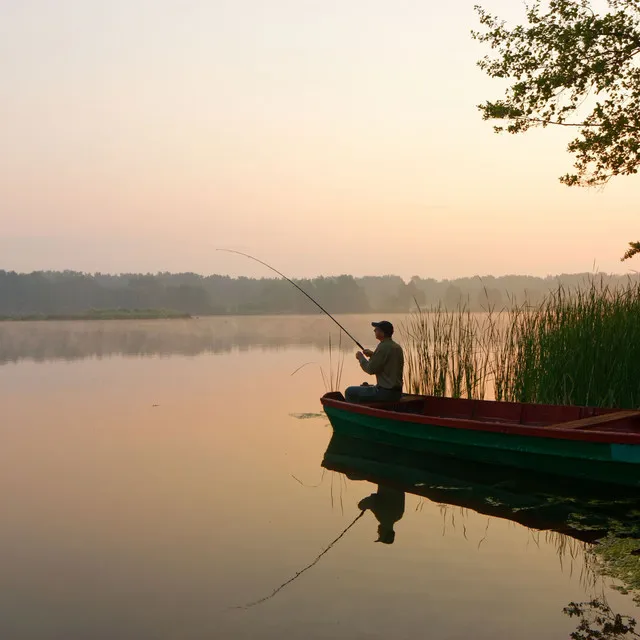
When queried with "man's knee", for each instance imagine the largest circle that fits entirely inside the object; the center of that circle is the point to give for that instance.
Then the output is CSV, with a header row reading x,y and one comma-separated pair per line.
x,y
363,393
351,394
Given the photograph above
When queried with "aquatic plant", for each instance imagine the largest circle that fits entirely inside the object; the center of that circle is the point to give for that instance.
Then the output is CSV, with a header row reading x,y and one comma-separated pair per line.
x,y
332,379
619,558
578,346
448,353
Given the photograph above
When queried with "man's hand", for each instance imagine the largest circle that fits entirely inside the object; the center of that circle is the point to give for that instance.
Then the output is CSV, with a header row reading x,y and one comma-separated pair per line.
x,y
359,355
368,353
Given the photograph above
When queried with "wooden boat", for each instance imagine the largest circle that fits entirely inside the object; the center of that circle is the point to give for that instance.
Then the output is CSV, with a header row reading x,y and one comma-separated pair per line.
x,y
582,442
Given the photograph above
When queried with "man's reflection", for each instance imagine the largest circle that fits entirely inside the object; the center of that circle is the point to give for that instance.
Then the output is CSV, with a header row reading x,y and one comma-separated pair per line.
x,y
387,505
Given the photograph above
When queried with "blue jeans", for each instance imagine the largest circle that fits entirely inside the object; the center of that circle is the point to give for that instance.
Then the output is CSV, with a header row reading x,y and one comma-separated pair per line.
x,y
371,393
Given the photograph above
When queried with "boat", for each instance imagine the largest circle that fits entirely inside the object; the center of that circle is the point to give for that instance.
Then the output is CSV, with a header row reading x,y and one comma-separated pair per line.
x,y
582,510
591,443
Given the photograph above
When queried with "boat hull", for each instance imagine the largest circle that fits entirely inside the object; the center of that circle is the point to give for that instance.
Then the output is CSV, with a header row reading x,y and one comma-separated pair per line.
x,y
614,463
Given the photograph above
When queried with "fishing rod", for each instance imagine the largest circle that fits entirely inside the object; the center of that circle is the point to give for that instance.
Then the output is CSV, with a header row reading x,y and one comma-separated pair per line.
x,y
246,255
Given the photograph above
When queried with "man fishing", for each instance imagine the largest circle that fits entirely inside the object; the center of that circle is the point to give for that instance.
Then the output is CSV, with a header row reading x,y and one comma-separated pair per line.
x,y
386,363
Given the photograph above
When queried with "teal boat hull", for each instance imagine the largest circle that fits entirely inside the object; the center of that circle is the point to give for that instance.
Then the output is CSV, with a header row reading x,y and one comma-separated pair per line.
x,y
611,462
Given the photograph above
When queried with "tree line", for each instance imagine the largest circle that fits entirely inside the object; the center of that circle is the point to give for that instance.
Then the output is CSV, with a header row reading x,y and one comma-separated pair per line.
x,y
50,293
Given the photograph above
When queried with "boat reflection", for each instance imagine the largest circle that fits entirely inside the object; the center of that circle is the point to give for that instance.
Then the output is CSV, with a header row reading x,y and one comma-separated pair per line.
x,y
586,512
607,520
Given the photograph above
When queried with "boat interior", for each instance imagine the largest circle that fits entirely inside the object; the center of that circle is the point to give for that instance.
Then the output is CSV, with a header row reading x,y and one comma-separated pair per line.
x,y
551,416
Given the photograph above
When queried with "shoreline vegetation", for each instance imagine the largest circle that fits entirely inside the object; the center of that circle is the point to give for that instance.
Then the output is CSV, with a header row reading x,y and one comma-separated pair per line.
x,y
577,347
104,314
69,293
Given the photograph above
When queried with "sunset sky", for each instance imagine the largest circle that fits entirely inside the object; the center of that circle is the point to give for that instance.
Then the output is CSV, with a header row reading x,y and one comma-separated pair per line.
x,y
325,137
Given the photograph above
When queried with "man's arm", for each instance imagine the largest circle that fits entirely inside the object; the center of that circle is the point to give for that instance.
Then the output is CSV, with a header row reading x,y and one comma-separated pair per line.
x,y
375,363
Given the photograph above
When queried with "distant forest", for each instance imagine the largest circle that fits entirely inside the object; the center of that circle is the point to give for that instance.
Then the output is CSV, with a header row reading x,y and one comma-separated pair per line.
x,y
69,292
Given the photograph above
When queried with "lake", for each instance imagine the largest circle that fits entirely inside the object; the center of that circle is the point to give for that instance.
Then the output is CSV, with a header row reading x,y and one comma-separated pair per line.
x,y
157,477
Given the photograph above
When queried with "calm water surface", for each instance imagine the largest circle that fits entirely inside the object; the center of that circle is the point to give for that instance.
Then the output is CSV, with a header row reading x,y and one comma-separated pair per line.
x,y
156,475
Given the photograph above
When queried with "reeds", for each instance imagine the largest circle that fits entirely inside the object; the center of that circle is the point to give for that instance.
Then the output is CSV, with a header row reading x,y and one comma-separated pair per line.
x,y
578,347
333,378
449,353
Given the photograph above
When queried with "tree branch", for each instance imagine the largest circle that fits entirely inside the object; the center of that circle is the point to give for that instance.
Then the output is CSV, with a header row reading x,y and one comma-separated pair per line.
x,y
567,124
560,124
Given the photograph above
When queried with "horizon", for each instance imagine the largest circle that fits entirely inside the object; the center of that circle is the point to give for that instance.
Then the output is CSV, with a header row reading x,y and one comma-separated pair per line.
x,y
588,274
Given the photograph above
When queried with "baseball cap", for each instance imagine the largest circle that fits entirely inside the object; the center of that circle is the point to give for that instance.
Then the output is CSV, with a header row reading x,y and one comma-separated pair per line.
x,y
385,326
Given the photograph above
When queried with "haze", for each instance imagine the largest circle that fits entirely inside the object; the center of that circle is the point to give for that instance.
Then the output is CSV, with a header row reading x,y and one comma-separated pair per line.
x,y
326,137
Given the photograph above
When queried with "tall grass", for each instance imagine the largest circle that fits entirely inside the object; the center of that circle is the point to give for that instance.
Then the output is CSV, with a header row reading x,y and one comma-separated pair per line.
x,y
333,379
449,353
578,346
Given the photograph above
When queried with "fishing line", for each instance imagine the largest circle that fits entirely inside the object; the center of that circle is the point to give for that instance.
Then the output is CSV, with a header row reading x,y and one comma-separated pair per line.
x,y
299,573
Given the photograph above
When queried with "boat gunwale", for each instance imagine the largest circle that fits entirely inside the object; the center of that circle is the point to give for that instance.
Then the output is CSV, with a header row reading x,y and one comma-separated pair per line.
x,y
470,424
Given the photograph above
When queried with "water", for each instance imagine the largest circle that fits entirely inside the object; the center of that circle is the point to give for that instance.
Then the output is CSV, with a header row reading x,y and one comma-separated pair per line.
x,y
156,475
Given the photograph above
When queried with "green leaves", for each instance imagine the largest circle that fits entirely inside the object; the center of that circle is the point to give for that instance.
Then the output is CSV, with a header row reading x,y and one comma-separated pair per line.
x,y
571,67
634,247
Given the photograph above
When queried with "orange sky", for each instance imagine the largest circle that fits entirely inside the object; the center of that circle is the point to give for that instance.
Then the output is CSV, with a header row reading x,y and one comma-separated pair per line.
x,y
325,137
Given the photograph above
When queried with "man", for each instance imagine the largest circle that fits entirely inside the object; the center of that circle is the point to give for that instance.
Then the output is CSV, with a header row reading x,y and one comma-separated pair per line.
x,y
386,363
387,505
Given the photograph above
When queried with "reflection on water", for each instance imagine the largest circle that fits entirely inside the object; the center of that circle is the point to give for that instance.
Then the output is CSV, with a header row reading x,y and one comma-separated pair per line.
x,y
577,509
387,505
312,564
72,340
608,526
598,621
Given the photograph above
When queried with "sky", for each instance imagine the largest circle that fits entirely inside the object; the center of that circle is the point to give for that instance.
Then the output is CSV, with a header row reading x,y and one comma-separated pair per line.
x,y
324,137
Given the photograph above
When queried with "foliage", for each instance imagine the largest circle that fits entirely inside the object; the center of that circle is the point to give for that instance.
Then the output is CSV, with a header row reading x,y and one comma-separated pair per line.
x,y
54,293
448,353
634,247
567,60
578,346
617,557
599,622
71,293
